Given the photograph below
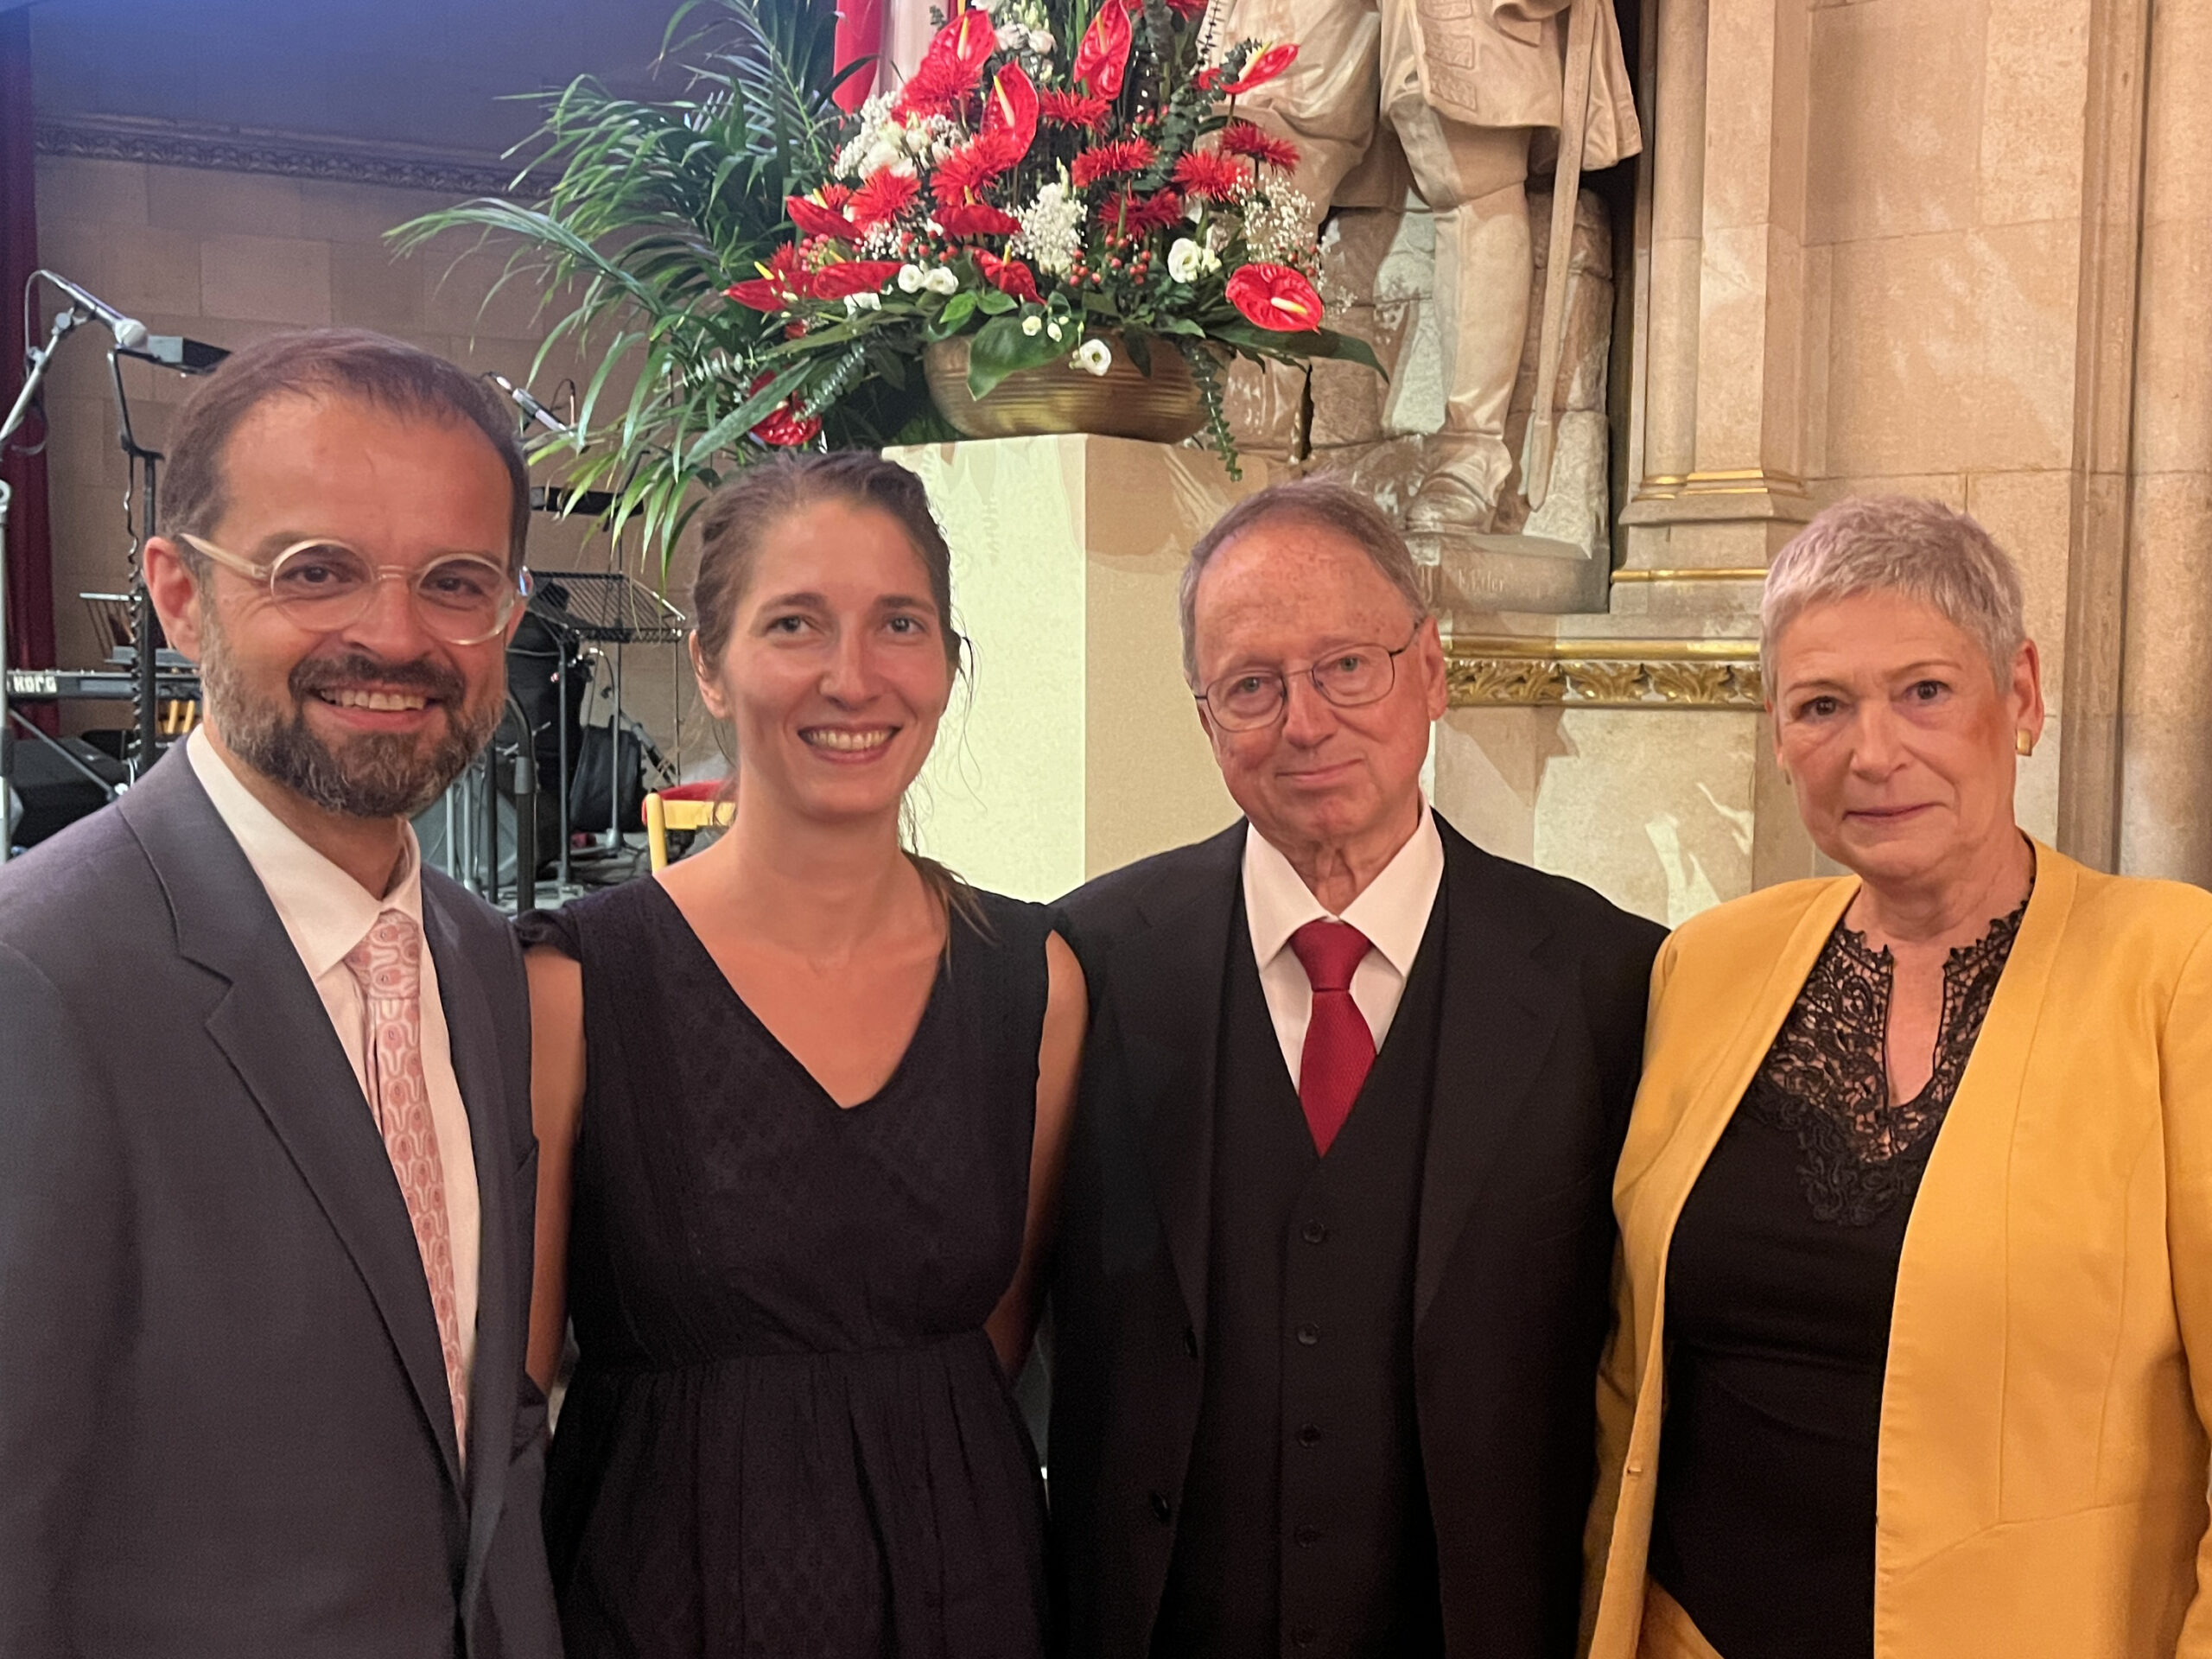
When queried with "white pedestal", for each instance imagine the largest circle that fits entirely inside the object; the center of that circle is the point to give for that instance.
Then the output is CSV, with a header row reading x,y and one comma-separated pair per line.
x,y
1079,748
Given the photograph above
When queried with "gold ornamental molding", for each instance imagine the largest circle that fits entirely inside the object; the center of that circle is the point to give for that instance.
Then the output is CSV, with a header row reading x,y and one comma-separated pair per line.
x,y
286,155
1509,673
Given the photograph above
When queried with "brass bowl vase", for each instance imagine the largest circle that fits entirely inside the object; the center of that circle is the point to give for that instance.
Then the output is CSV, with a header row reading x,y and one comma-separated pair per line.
x,y
1163,407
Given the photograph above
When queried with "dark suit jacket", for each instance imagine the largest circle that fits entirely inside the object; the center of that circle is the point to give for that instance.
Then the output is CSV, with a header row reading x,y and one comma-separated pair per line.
x,y
224,1424
1542,1029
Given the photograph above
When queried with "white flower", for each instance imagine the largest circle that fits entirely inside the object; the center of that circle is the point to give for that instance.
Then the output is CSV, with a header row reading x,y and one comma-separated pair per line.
x,y
940,280
855,303
1187,261
1053,329
1010,36
910,279
1032,326
1051,231
1092,357
1041,42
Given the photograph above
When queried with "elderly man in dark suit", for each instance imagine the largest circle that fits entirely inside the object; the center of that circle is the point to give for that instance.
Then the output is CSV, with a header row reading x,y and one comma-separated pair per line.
x,y
1332,1273
266,1166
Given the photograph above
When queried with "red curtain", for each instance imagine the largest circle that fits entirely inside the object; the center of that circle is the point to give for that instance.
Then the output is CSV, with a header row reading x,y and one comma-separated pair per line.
x,y
30,563
859,34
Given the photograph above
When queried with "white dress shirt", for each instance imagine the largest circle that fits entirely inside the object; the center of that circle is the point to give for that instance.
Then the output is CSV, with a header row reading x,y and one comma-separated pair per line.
x,y
1392,910
328,912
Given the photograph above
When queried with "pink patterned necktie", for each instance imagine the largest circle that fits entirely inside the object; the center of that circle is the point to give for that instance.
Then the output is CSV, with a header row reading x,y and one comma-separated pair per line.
x,y
388,966
1339,1048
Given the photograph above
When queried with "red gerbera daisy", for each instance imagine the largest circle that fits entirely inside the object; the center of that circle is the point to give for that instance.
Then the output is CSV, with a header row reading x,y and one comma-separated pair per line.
x,y
1109,160
883,195
1210,174
1074,108
1243,138
975,164
1152,212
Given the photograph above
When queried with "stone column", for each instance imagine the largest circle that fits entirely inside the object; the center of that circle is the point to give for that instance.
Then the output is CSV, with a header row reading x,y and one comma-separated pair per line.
x,y
1080,748
1726,361
2166,716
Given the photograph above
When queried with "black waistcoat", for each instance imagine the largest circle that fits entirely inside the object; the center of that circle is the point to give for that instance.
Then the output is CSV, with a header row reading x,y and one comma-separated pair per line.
x,y
1304,1529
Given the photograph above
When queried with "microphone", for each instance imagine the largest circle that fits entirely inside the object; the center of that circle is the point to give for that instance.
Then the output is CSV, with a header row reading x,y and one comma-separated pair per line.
x,y
528,406
129,333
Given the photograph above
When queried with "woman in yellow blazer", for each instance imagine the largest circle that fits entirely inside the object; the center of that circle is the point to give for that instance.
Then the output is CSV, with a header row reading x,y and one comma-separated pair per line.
x,y
1914,1358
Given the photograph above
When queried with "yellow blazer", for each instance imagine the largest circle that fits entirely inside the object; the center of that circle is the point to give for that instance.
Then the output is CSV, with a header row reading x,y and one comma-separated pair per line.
x,y
2044,1461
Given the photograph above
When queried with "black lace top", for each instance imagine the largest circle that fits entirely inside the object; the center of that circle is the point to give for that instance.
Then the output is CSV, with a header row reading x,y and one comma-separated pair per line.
x,y
1779,1288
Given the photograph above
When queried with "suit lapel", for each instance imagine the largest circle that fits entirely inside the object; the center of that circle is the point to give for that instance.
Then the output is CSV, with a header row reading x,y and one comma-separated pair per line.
x,y
272,1027
477,1068
1500,1013
1170,980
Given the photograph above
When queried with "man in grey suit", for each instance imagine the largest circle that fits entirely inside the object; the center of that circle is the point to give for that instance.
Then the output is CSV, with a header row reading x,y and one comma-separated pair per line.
x,y
267,1176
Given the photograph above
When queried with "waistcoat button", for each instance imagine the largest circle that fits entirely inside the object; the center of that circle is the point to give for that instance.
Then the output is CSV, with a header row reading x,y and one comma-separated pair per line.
x,y
1314,1232
1160,1507
1307,1536
1308,1335
1310,1435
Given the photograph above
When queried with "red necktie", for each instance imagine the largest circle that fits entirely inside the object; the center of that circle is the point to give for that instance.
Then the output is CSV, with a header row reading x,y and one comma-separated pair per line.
x,y
1339,1048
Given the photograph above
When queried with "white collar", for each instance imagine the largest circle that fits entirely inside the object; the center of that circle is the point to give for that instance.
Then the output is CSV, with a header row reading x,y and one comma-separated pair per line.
x,y
1392,909
326,911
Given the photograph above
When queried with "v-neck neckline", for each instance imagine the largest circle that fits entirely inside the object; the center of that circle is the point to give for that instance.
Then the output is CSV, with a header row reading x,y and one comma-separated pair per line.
x,y
906,1055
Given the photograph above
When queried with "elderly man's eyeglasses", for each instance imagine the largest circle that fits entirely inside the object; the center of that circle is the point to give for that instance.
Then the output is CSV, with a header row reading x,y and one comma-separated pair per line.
x,y
321,585
1348,678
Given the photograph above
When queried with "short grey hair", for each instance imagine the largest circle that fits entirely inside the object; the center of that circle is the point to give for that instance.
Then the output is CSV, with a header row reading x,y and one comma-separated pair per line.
x,y
1318,502
1900,544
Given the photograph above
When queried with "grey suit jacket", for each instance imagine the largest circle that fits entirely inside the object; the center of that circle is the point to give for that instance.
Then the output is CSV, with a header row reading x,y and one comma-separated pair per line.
x,y
223,1425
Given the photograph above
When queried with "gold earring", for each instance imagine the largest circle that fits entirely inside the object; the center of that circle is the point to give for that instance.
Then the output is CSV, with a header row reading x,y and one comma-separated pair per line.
x,y
2024,743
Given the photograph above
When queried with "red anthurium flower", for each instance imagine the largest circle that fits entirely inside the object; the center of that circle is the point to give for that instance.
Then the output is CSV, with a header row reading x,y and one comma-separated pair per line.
x,y
1243,138
883,195
782,281
977,219
1261,66
852,277
1103,59
1075,109
1107,161
951,68
1188,8
1210,174
1276,296
1011,111
1010,276
817,220
759,292
782,428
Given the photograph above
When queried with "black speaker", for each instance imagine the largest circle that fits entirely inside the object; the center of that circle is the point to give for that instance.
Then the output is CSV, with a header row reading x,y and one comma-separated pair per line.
x,y
55,794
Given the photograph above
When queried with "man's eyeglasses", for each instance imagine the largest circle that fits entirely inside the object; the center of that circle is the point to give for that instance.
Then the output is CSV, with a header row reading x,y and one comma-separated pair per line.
x,y
321,585
1348,678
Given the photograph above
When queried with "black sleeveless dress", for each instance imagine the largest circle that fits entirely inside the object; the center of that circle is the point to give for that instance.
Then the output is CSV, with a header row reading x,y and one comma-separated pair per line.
x,y
787,1434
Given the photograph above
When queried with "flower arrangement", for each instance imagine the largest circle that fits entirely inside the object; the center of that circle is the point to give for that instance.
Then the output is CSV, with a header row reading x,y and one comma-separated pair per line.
x,y
1059,179
1113,202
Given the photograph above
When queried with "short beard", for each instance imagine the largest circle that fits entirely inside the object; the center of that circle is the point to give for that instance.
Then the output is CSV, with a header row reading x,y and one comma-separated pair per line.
x,y
375,775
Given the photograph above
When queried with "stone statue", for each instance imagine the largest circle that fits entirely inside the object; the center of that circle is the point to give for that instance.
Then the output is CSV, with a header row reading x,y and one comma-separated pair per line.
x,y
1461,87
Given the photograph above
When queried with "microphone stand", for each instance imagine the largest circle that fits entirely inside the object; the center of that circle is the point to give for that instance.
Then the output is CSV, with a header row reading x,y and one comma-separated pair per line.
x,y
64,320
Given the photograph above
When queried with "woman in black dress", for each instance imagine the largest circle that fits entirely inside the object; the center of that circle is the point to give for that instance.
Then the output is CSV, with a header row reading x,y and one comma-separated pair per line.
x,y
801,1107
